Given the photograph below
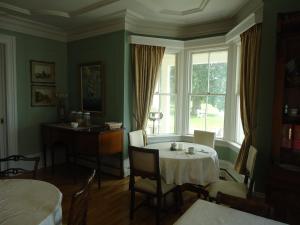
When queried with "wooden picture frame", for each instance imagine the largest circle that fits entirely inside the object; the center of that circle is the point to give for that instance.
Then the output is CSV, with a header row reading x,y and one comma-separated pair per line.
x,y
43,95
42,72
92,87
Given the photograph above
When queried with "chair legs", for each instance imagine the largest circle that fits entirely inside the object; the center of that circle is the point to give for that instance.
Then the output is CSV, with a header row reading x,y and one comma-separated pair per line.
x,y
132,203
158,208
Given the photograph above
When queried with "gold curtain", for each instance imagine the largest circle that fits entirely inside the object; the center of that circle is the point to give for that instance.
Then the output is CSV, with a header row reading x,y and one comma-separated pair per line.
x,y
146,63
250,52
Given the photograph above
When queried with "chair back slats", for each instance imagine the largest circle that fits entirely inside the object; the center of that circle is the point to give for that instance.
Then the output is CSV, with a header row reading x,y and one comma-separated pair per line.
x,y
136,138
250,164
246,205
204,138
144,162
79,204
15,171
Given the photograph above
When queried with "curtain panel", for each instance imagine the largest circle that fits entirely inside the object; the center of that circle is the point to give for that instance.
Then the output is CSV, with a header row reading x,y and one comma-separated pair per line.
x,y
146,61
250,52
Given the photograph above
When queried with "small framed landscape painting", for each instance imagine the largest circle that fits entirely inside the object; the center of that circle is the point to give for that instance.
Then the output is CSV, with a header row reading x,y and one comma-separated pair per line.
x,y
92,87
42,72
42,95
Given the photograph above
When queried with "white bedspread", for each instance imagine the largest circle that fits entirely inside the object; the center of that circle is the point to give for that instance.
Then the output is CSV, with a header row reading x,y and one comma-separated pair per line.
x,y
29,202
178,167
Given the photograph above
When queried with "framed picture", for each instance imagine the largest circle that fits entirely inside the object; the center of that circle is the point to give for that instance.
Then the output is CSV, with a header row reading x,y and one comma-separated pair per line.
x,y
92,87
42,72
42,95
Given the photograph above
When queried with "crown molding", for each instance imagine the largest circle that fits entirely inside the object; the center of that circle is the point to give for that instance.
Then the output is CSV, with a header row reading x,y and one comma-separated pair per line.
x,y
207,29
13,8
200,8
92,7
57,13
99,29
138,26
21,25
122,20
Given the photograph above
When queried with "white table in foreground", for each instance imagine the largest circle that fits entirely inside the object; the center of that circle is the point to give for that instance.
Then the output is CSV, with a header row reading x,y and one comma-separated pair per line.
x,y
178,167
208,213
29,202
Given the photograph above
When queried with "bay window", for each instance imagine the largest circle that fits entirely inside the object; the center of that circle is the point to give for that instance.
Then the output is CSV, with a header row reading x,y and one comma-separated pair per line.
x,y
198,89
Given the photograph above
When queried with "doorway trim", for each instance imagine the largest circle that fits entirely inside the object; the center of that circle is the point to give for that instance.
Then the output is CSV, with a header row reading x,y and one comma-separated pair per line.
x,y
11,93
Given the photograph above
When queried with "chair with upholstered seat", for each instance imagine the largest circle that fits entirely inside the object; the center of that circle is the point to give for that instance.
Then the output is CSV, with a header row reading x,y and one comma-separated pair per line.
x,y
237,189
144,163
136,138
247,205
16,170
204,138
79,204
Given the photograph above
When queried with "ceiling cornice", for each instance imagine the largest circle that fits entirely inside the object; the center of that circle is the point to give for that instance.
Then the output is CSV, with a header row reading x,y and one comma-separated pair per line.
x,y
21,25
122,20
99,29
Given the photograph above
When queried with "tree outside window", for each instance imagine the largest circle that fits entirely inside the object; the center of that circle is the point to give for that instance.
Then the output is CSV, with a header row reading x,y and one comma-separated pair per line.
x,y
207,92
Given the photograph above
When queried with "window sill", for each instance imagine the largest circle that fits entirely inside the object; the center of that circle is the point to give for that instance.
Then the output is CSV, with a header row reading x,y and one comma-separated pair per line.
x,y
189,138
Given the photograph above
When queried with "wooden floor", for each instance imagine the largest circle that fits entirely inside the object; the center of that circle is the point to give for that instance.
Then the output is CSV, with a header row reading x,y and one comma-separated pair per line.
x,y
110,204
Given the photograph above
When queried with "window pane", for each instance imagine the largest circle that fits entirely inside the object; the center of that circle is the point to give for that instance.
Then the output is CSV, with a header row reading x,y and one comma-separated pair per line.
x,y
167,107
215,115
218,72
168,74
207,113
197,113
164,101
199,82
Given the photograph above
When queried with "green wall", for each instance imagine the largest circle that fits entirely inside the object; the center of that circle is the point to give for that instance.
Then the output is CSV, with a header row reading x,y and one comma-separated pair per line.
x,y
113,51
29,118
266,85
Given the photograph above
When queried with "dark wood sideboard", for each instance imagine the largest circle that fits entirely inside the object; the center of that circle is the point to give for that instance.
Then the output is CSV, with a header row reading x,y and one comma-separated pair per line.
x,y
89,143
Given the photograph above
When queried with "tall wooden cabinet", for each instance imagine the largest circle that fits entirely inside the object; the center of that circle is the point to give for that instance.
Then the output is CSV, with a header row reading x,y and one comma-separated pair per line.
x,y
284,181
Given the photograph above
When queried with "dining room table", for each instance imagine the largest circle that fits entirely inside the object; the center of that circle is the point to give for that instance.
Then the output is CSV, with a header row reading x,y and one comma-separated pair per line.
x,y
203,213
180,166
29,202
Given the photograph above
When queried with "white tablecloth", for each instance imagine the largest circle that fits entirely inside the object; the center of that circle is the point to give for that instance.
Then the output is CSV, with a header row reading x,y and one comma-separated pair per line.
x,y
208,213
178,167
29,202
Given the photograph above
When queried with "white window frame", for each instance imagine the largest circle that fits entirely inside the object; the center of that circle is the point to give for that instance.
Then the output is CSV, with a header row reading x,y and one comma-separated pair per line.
x,y
188,92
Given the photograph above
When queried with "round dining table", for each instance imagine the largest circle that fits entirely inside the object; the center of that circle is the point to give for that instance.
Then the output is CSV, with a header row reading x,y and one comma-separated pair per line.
x,y
29,202
180,166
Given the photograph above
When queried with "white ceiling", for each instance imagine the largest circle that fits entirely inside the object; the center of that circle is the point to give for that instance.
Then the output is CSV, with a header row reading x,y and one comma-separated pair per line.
x,y
74,14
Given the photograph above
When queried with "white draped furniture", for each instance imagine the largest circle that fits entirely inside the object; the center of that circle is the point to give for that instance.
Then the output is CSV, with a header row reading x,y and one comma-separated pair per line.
x,y
178,167
29,202
208,213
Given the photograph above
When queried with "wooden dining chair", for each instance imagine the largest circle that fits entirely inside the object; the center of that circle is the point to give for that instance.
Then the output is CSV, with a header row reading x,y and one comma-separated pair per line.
x,y
136,138
17,159
79,204
247,205
204,138
237,189
144,163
